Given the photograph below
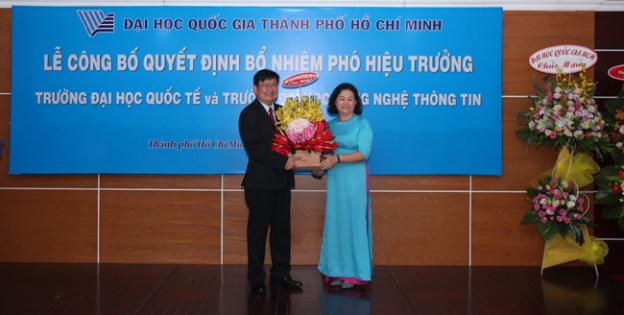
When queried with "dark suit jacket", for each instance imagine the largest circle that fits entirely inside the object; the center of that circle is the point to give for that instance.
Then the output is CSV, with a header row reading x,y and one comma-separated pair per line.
x,y
265,170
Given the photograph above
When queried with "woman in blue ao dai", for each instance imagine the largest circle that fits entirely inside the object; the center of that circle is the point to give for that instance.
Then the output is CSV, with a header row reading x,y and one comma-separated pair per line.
x,y
347,251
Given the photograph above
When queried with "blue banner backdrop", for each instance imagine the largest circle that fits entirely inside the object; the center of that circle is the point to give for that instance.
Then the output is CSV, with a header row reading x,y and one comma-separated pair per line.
x,y
158,90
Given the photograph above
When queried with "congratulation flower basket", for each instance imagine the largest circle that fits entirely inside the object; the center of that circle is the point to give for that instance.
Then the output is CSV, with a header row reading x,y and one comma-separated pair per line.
x,y
302,132
565,115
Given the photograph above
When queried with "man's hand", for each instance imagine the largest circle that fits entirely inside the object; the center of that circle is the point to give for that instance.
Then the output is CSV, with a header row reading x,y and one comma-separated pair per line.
x,y
290,164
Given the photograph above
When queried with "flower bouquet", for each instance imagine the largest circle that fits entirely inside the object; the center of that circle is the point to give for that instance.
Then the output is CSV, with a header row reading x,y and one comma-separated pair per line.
x,y
558,207
610,181
565,114
302,131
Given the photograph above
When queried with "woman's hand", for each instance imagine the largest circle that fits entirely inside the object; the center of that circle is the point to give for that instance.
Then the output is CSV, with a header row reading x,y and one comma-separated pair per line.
x,y
329,162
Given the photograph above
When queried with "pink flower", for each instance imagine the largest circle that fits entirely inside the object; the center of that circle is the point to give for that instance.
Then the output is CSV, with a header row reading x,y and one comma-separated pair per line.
x,y
553,135
542,214
563,212
566,220
536,206
581,201
577,216
544,220
300,130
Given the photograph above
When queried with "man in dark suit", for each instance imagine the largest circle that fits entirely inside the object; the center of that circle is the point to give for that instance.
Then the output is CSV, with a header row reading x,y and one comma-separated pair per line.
x,y
267,184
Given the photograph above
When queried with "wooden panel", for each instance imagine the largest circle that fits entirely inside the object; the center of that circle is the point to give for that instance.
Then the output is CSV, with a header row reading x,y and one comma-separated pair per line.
x,y
497,237
609,33
235,215
302,182
377,182
307,215
307,220
5,50
408,228
527,32
419,182
608,86
233,181
162,181
420,228
160,227
519,164
48,226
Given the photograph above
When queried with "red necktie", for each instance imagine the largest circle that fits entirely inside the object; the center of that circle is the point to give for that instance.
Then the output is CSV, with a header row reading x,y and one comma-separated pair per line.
x,y
271,114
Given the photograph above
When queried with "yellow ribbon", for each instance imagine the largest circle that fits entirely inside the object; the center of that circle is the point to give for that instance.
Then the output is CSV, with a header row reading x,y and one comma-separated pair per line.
x,y
594,251
579,168
559,250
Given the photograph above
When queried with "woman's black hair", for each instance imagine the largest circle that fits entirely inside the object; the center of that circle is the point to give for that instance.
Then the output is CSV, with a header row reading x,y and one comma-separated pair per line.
x,y
345,86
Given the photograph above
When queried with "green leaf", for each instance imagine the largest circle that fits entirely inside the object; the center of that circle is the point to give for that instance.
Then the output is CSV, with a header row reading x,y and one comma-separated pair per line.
x,y
549,229
607,173
621,223
612,211
532,192
588,222
537,87
530,217
576,233
522,114
605,196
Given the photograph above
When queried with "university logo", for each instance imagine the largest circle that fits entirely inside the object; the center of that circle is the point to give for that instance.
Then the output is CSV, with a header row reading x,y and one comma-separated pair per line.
x,y
94,21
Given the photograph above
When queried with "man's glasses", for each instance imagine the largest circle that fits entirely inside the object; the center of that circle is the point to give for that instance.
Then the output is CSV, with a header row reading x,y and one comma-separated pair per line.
x,y
268,86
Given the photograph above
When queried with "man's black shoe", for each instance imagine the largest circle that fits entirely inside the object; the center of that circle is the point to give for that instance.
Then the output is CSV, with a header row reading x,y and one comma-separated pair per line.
x,y
258,287
286,281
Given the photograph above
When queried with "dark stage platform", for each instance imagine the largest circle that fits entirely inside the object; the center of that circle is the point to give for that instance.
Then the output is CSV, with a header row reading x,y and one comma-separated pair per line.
x,y
45,289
